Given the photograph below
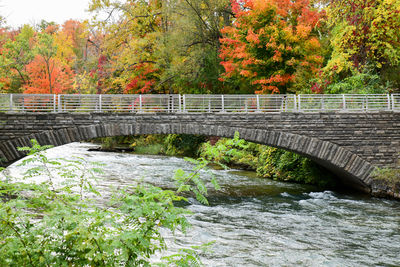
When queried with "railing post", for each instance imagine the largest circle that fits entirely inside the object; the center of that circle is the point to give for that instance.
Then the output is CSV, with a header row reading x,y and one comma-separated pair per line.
x,y
322,102
59,104
180,103
344,101
100,103
295,103
209,105
140,103
171,97
299,102
168,104
245,105
284,103
184,103
393,103
366,103
388,99
11,102
258,103
54,103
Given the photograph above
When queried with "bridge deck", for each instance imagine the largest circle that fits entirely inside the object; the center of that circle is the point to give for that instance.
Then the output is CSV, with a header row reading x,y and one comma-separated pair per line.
x,y
174,103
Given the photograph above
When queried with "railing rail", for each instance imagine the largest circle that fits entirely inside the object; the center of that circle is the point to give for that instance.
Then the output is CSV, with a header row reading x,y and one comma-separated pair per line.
x,y
173,103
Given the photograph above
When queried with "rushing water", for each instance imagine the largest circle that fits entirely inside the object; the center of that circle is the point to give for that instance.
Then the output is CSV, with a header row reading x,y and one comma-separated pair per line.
x,y
259,222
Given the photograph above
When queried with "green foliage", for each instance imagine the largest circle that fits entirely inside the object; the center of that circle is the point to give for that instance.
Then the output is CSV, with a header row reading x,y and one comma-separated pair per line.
x,y
192,183
15,56
162,46
234,152
364,36
269,162
185,257
391,177
109,142
62,224
153,149
366,82
46,46
156,144
192,43
283,165
183,144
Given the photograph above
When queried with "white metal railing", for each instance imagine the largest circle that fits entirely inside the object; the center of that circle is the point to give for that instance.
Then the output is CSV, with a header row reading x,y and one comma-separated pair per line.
x,y
344,102
395,101
119,103
238,103
197,103
28,103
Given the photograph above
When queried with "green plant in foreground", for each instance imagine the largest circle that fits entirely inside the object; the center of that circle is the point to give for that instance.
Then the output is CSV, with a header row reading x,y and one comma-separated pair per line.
x,y
52,223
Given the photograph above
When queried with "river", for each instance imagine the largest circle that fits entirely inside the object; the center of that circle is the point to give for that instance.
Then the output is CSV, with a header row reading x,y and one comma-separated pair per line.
x,y
259,222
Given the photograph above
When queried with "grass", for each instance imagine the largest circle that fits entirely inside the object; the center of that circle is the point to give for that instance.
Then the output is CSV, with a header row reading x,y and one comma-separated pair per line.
x,y
153,149
390,176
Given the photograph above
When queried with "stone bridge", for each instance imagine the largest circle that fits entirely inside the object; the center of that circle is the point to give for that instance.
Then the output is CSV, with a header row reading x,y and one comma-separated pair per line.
x,y
349,144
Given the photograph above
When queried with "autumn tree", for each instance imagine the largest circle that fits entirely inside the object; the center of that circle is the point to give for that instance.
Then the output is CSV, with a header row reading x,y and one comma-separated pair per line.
x,y
162,46
192,43
47,50
73,41
82,51
129,44
15,55
365,38
270,43
364,31
59,80
47,73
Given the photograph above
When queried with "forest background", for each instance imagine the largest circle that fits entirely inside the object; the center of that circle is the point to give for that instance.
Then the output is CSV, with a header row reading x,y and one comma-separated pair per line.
x,y
209,47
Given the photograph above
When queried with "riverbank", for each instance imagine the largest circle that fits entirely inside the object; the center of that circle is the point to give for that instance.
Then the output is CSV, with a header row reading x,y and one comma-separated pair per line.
x,y
386,183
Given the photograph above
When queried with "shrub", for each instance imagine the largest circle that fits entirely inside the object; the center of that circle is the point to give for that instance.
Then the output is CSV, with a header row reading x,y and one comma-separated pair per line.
x,y
269,162
62,224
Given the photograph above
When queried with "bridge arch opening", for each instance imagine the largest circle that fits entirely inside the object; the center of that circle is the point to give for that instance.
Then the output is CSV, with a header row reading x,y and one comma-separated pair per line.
x,y
349,167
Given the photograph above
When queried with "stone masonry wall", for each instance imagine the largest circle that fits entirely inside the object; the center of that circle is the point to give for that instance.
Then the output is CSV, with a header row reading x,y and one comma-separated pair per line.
x,y
375,137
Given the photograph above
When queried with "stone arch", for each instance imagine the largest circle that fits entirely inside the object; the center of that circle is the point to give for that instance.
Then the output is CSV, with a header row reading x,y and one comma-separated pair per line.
x,y
355,170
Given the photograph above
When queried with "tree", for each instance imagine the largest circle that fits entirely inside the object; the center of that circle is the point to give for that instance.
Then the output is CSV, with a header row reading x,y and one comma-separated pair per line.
x,y
269,43
364,39
64,45
73,41
364,32
47,50
192,43
129,44
59,80
162,46
15,55
62,223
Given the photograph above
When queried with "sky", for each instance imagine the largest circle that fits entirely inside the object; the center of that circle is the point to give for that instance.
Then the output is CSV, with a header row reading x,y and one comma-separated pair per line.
x,y
19,12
